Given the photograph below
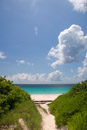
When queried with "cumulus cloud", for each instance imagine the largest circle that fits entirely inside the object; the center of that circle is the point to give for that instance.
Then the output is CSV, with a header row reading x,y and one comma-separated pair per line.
x,y
85,61
72,43
79,5
36,78
26,78
82,71
36,31
2,56
55,76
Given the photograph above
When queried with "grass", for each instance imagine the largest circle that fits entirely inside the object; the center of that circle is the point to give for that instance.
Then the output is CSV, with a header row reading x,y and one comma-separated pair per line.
x,y
15,104
26,110
71,108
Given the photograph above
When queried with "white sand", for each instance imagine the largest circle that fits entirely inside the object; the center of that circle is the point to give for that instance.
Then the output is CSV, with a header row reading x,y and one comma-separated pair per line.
x,y
48,122
44,96
23,125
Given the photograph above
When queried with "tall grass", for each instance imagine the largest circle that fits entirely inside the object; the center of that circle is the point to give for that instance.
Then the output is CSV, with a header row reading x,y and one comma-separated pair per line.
x,y
15,104
26,110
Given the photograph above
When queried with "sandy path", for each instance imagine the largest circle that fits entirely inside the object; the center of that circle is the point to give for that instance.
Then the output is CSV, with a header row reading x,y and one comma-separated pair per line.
x,y
23,125
48,122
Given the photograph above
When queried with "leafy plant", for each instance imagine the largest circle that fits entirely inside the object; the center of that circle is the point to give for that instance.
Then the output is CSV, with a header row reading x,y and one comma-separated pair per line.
x,y
70,107
16,103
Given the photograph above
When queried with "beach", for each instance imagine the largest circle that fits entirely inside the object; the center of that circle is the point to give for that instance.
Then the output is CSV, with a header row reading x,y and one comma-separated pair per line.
x,y
48,121
44,96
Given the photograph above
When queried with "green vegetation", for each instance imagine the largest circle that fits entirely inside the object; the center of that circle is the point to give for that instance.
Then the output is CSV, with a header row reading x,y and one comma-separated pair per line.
x,y
71,108
15,104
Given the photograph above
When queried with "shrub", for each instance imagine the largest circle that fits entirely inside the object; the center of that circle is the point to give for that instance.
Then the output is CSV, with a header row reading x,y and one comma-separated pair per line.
x,y
10,95
71,106
15,104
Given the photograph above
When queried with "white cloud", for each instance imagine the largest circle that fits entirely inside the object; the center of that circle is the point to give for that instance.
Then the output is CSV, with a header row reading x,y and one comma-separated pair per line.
x,y
20,61
36,78
85,61
72,43
82,71
55,76
26,78
24,62
79,5
2,56
36,31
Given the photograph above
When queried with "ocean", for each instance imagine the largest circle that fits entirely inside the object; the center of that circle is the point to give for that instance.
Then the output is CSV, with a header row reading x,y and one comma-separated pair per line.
x,y
46,88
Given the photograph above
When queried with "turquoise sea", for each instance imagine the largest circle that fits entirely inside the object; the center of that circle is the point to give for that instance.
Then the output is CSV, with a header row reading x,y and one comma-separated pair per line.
x,y
46,88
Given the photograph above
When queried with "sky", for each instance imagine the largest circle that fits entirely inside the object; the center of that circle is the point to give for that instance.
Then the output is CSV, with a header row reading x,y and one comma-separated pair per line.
x,y
43,41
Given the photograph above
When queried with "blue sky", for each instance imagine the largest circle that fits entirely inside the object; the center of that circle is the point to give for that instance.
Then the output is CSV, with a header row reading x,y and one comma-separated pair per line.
x,y
43,41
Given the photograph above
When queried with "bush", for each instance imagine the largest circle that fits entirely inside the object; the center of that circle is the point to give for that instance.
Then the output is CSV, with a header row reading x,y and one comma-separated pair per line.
x,y
10,95
67,107
15,104
78,121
